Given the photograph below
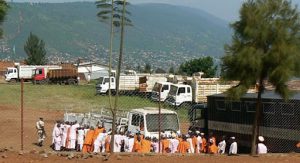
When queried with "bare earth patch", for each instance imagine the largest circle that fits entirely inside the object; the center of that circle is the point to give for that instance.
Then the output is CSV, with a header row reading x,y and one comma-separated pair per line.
x,y
10,141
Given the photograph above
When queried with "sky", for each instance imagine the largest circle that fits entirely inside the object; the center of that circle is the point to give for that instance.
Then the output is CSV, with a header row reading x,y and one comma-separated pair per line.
x,y
227,10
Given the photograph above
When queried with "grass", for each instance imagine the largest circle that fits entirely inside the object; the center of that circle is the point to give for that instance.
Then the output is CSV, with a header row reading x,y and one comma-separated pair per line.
x,y
80,98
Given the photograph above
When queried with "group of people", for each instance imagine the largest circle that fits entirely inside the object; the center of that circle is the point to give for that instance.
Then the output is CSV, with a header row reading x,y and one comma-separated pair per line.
x,y
71,136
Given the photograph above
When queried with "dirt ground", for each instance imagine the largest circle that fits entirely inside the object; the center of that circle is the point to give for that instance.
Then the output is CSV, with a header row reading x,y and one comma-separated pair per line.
x,y
11,141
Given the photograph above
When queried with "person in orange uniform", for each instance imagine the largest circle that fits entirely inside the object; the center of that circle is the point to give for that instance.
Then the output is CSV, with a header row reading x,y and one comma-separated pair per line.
x,y
137,146
183,146
146,145
107,142
212,149
298,145
195,142
88,142
165,143
204,143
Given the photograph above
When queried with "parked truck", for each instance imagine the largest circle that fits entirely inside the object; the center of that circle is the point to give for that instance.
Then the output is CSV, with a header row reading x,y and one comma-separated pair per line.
x,y
128,82
25,72
144,120
196,91
160,91
66,75
147,82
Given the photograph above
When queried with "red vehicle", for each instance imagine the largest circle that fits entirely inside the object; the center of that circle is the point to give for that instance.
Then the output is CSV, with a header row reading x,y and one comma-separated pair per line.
x,y
64,75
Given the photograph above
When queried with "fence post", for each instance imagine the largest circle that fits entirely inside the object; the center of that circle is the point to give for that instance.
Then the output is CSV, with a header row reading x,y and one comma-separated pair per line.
x,y
159,120
22,121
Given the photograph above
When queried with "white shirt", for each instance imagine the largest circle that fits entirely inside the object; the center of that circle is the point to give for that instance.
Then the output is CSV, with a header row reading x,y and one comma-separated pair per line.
x,y
80,136
129,142
73,131
117,143
233,148
57,134
222,147
191,145
100,138
155,146
40,124
261,148
173,145
199,142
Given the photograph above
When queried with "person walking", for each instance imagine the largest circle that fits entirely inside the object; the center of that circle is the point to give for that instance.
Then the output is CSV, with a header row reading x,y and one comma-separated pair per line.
x,y
233,147
40,126
222,145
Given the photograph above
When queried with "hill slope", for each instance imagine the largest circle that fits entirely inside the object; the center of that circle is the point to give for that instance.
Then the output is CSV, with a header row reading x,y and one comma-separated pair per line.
x,y
164,33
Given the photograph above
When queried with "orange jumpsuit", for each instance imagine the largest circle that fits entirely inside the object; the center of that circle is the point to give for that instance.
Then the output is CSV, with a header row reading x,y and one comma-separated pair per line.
x,y
107,143
137,147
165,145
146,146
195,142
204,144
88,141
213,149
183,147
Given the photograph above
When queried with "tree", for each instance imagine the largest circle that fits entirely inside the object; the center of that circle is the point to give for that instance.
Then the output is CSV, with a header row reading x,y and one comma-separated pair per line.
x,y
147,68
35,50
114,11
265,47
160,71
3,10
204,64
172,70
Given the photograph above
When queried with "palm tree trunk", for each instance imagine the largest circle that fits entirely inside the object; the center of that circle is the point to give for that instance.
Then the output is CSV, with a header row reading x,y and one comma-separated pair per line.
x,y
119,64
257,120
109,73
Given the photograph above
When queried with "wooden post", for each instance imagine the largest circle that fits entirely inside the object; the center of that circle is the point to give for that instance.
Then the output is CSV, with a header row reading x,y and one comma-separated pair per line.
x,y
22,120
159,120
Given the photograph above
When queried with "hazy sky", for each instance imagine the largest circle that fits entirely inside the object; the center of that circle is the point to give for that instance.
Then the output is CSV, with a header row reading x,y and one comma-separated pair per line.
x,y
224,9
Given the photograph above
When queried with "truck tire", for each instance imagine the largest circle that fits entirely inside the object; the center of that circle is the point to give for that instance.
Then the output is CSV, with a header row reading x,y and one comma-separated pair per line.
x,y
71,82
12,80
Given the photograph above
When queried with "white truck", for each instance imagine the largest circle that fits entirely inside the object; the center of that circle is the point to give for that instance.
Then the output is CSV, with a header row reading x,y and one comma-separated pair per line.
x,y
26,72
161,89
127,83
196,92
144,120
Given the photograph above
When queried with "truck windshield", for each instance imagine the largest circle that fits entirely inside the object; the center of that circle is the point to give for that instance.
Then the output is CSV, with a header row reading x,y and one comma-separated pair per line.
x,y
169,122
9,71
100,80
173,90
156,87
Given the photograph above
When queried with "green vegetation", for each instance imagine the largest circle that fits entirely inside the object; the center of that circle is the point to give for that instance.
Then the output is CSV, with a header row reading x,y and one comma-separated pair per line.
x,y
203,64
265,47
3,11
35,50
160,33
78,98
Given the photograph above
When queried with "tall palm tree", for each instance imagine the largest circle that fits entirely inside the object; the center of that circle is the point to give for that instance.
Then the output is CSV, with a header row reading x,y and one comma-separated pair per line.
x,y
110,12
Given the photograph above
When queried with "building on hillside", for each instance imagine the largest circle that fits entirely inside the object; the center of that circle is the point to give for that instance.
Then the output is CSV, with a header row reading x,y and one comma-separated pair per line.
x,y
91,70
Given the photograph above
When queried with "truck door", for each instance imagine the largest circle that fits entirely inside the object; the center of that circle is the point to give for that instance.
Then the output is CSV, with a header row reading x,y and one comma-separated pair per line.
x,y
39,74
136,123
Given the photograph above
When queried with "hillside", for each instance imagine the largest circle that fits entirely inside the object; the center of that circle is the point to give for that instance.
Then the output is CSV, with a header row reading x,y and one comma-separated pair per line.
x,y
162,34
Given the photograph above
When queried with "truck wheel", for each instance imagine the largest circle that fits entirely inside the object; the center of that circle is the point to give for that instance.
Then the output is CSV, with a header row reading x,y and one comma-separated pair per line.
x,y
71,82
12,80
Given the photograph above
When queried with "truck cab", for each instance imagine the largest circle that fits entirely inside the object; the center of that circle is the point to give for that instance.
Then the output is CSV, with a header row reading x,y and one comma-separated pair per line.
x,y
11,74
162,88
39,75
146,121
180,94
102,86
